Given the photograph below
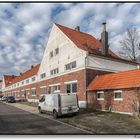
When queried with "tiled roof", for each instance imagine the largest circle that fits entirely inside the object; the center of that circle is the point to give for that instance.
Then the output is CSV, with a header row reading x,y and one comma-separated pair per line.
x,y
120,80
8,79
27,74
83,41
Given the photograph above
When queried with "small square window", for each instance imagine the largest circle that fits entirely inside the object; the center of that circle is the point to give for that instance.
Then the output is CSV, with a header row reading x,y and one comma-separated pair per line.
x,y
100,95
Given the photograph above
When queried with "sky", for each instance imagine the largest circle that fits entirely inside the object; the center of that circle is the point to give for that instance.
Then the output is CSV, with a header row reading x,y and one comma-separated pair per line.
x,y
25,27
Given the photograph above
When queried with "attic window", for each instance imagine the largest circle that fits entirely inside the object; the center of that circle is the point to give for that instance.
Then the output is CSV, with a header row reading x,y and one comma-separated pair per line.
x,y
51,54
56,51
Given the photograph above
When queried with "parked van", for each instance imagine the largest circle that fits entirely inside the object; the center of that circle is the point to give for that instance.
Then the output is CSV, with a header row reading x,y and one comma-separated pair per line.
x,y
59,104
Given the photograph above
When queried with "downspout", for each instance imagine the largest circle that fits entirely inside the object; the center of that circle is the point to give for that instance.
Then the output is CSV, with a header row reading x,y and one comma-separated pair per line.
x,y
85,79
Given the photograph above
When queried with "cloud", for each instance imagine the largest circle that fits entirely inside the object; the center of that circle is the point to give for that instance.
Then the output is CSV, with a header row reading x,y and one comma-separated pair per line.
x,y
25,27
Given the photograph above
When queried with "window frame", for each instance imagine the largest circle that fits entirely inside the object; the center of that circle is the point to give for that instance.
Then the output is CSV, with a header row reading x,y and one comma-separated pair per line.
x,y
118,99
100,92
71,87
31,91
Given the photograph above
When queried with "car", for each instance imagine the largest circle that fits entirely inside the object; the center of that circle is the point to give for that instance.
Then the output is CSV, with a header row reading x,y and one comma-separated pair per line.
x,y
1,97
59,104
10,99
4,98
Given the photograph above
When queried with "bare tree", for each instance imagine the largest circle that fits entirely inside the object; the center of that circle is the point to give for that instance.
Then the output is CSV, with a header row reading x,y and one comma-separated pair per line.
x,y
130,44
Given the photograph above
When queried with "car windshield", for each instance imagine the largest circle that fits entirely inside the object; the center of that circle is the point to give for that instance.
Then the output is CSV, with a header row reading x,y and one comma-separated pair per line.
x,y
11,97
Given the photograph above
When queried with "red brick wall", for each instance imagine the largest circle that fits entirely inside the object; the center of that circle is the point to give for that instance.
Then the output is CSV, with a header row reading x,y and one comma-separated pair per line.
x,y
126,105
91,74
79,76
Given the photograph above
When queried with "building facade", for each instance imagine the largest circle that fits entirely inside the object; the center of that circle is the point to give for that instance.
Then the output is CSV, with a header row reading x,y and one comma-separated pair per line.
x,y
71,60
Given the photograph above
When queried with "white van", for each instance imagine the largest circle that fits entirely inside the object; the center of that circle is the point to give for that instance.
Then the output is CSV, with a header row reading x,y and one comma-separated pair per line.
x,y
59,104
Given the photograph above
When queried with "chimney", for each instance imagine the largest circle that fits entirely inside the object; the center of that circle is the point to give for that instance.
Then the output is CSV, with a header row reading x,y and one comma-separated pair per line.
x,y
32,66
77,28
13,76
20,73
104,40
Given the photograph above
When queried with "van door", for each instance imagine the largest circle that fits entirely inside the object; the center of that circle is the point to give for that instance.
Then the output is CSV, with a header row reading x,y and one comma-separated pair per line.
x,y
42,103
49,103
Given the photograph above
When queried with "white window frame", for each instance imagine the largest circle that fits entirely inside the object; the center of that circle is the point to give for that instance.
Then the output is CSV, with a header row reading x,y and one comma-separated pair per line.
x,y
31,92
70,83
100,92
118,99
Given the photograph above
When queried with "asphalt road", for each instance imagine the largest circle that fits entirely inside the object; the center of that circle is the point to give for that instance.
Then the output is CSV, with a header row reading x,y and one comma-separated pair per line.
x,y
17,121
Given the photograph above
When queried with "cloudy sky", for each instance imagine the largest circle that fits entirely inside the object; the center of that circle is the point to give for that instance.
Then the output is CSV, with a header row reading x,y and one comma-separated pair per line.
x,y
24,27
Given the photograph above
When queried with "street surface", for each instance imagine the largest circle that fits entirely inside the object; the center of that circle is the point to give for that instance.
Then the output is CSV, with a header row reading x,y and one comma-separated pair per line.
x,y
16,121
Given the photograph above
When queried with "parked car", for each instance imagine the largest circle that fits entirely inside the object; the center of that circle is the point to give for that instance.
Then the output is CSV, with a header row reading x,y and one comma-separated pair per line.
x,y
4,98
1,97
59,104
10,99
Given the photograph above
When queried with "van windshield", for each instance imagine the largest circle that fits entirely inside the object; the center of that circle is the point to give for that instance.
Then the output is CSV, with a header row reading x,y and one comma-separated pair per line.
x,y
68,100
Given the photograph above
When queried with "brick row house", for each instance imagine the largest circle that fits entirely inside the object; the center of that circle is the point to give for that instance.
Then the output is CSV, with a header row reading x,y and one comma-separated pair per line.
x,y
71,60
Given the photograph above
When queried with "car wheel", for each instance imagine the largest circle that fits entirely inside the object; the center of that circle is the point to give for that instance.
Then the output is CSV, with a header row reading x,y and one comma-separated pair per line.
x,y
40,111
55,114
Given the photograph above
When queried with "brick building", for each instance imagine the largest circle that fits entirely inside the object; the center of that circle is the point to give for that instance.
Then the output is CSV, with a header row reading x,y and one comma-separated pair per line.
x,y
117,92
72,59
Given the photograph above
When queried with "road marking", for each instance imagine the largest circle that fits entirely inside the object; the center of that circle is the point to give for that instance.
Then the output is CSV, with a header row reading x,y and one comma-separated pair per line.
x,y
41,115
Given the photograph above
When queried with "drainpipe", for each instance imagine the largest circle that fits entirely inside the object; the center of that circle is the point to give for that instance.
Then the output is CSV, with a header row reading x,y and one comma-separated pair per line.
x,y
85,81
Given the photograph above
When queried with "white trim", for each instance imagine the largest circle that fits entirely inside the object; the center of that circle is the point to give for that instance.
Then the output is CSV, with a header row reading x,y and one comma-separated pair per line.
x,y
100,99
127,113
57,84
33,88
100,91
27,89
43,86
116,91
118,99
23,90
70,82
102,69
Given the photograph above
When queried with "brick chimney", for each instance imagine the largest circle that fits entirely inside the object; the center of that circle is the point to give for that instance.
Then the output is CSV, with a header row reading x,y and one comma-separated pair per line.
x,y
20,73
13,76
32,66
77,28
104,40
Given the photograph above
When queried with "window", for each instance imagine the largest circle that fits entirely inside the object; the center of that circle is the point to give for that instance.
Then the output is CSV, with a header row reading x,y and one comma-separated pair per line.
x,y
118,95
54,71
51,54
33,78
71,88
17,84
55,88
56,51
43,75
43,90
42,99
100,95
22,82
27,81
70,65
33,91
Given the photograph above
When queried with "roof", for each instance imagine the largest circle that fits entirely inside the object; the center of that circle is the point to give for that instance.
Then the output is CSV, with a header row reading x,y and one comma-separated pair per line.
x,y
120,80
28,73
84,41
8,79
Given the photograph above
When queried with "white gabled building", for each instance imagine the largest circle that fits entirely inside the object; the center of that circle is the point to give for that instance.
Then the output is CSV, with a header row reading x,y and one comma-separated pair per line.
x,y
72,59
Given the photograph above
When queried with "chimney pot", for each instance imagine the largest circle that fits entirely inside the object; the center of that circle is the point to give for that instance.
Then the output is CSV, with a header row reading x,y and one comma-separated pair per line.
x,y
104,40
32,66
104,26
20,73
77,28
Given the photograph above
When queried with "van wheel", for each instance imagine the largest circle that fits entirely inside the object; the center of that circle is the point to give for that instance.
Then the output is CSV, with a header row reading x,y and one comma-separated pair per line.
x,y
55,115
39,109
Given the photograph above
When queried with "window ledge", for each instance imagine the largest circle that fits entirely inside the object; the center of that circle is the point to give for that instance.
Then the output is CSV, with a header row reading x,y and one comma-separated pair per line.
x,y
119,99
100,99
